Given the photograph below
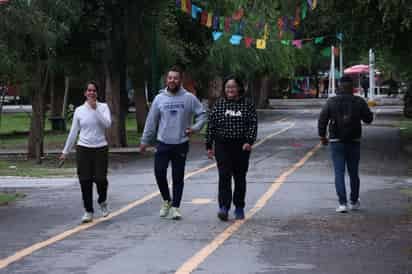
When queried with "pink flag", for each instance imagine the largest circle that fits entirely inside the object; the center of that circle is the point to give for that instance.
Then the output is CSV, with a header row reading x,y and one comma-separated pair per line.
x,y
203,18
297,43
227,24
248,41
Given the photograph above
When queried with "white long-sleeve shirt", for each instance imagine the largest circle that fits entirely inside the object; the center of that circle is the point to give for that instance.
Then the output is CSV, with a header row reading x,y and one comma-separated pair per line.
x,y
92,124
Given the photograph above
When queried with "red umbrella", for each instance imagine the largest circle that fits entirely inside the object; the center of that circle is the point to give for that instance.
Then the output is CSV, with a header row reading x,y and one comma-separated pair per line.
x,y
358,69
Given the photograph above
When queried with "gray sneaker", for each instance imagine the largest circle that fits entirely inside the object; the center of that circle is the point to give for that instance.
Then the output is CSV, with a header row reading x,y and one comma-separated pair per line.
x,y
342,209
174,214
87,217
104,208
164,210
354,206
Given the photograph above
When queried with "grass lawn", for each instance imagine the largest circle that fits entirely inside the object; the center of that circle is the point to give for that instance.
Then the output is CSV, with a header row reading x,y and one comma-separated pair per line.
x,y
16,127
406,127
24,168
406,137
17,122
6,198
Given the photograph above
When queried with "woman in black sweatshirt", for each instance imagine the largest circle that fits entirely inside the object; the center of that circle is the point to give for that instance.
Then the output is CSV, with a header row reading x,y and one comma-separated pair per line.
x,y
231,132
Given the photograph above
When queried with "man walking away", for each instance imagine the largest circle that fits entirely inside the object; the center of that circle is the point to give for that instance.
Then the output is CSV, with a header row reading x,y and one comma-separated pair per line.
x,y
342,115
365,86
170,123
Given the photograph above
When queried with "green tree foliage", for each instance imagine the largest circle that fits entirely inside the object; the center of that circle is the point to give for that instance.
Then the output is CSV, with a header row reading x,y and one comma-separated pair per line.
x,y
30,33
380,24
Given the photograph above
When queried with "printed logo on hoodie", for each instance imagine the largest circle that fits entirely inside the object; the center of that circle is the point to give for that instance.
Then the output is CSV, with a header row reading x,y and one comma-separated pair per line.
x,y
233,113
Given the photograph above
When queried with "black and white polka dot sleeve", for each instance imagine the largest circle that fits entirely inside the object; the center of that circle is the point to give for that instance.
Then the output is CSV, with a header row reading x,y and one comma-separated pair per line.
x,y
252,125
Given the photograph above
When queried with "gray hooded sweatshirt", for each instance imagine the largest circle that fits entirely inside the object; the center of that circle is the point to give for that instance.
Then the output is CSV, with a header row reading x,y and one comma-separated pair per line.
x,y
170,115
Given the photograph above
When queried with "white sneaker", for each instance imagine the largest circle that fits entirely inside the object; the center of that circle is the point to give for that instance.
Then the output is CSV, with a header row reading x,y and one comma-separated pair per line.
x,y
87,217
164,210
342,209
174,214
105,209
354,206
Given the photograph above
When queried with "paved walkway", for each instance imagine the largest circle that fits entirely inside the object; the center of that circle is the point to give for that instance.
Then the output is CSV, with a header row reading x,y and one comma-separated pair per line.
x,y
291,228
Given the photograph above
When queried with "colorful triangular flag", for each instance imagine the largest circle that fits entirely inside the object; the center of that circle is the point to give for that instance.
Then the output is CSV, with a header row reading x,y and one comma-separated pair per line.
x,y
266,32
203,18
227,24
319,40
314,4
217,35
189,6
297,43
248,42
304,9
222,23
261,43
215,22
209,20
184,5
195,11
235,39
241,27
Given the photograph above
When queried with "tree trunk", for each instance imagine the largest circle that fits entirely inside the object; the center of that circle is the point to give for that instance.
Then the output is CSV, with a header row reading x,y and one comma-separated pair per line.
x,y
113,100
140,102
66,96
36,135
264,92
144,43
52,94
215,90
256,86
115,74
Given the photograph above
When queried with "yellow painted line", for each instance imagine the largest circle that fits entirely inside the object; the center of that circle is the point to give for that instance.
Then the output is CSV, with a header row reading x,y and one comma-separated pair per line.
x,y
201,201
193,263
30,250
273,135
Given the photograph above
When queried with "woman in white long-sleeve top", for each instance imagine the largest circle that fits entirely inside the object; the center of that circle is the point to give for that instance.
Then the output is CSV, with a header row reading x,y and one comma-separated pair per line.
x,y
91,119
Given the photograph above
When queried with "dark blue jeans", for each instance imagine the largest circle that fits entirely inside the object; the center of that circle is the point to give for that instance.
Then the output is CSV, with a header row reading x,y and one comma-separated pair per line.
x,y
176,154
346,155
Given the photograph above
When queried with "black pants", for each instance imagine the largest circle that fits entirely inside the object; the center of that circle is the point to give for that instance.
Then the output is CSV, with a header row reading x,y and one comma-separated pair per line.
x,y
92,168
232,161
177,155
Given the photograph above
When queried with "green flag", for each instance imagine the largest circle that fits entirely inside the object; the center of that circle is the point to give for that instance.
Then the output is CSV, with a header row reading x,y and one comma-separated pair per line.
x,y
304,9
319,40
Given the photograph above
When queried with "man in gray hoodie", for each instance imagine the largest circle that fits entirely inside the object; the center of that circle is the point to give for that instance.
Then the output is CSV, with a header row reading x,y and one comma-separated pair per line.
x,y
170,123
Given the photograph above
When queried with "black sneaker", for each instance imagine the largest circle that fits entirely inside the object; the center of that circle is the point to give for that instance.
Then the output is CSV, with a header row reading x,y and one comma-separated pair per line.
x,y
223,214
239,213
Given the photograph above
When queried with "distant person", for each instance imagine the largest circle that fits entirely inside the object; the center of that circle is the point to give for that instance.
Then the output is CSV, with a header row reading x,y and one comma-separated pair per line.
x,y
393,87
342,115
231,132
170,124
91,119
365,85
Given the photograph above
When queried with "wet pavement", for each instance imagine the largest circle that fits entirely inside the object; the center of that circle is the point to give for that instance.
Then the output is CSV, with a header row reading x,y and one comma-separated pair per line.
x,y
296,231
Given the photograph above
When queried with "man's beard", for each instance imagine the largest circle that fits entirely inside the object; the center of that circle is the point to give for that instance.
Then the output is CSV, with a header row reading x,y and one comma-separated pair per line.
x,y
174,90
